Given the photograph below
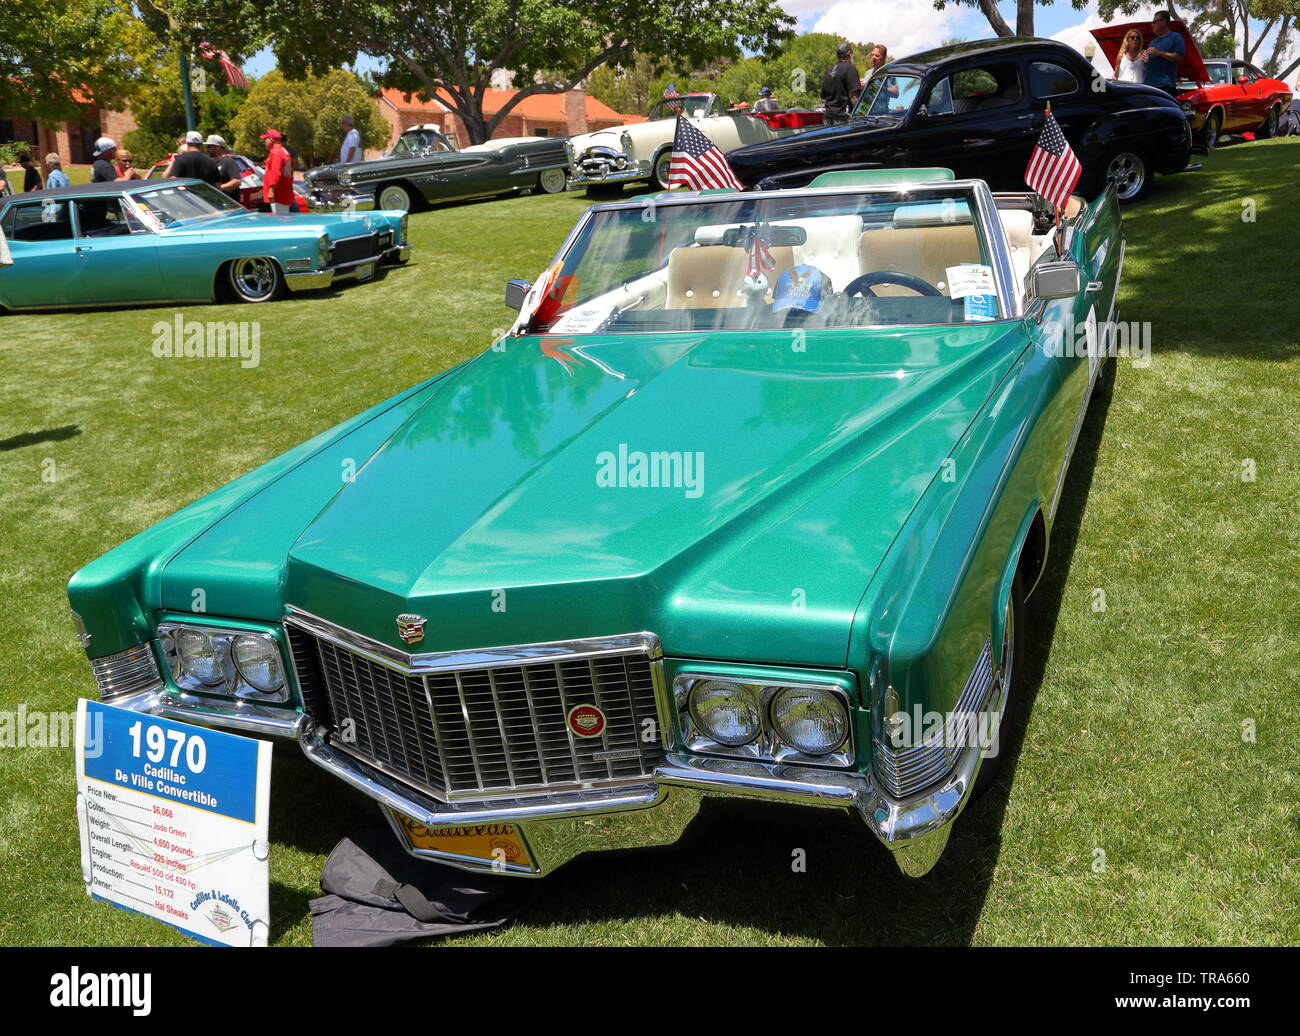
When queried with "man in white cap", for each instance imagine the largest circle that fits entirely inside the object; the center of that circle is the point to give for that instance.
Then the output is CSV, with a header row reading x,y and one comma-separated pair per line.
x,y
227,168
193,162
351,149
102,169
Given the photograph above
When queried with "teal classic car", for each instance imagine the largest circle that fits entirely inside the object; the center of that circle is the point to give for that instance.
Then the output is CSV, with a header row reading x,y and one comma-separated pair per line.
x,y
746,503
137,242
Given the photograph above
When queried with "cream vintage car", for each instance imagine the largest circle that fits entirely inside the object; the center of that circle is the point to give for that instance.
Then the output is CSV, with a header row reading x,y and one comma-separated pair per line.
x,y
643,150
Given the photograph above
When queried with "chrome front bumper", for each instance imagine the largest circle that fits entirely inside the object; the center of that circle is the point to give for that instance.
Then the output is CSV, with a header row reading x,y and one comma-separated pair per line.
x,y
594,174
314,279
558,827
340,199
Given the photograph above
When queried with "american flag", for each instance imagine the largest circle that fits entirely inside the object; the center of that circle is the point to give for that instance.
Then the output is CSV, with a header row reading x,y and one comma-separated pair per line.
x,y
233,75
1053,170
671,91
697,163
760,257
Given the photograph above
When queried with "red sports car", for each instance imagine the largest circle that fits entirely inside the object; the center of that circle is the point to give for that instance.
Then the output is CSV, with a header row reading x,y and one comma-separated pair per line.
x,y
1220,95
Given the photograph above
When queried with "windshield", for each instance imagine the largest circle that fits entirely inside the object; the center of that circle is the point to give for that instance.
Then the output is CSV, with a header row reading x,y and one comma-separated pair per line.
x,y
887,96
693,106
884,257
415,141
177,203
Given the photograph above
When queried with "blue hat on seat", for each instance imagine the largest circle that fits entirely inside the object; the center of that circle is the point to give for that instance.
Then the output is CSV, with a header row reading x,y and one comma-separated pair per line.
x,y
800,287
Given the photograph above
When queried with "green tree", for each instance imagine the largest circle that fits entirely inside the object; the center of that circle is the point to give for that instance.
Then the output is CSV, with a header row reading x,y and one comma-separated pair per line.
x,y
307,111
454,46
56,55
160,114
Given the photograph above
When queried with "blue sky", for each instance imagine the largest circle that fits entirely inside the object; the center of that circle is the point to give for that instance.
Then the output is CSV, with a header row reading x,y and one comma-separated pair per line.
x,y
905,26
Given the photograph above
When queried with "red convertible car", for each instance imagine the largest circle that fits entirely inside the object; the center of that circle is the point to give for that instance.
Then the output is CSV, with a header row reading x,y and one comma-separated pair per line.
x,y
1220,95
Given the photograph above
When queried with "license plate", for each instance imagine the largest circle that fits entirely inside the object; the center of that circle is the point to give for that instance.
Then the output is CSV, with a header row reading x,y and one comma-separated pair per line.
x,y
365,271
491,843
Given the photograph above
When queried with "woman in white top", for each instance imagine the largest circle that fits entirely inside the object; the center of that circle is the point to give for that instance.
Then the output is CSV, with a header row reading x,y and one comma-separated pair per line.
x,y
1132,63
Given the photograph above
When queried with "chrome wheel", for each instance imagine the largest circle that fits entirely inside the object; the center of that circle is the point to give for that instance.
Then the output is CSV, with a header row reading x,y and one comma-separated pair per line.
x,y
1007,673
1269,128
552,181
1127,173
662,163
395,196
255,280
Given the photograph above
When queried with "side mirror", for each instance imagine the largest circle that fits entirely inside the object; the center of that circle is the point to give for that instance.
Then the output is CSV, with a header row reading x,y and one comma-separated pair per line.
x,y
516,292
1054,279
1244,80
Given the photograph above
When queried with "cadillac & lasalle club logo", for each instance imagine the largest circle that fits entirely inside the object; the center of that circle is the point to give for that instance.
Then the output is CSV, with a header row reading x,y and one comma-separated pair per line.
x,y
411,628
586,721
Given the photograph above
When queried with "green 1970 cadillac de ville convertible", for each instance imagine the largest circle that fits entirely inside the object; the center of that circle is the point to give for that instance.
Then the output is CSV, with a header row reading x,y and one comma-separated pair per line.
x,y
747,503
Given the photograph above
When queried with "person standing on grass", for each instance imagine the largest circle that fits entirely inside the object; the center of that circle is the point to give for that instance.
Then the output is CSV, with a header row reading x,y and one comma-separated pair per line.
x,y
102,169
56,177
31,175
351,149
229,179
841,86
1164,54
277,180
126,169
192,162
1132,65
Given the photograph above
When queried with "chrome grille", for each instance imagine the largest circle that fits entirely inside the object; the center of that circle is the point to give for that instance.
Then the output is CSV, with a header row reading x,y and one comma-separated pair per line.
x,y
352,249
483,731
905,771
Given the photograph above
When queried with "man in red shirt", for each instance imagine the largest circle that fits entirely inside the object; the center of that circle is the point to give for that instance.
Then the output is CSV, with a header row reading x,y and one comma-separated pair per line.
x,y
277,180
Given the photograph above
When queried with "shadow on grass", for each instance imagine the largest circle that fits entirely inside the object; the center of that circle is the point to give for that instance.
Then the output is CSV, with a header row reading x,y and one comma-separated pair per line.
x,y
1205,251
17,442
733,867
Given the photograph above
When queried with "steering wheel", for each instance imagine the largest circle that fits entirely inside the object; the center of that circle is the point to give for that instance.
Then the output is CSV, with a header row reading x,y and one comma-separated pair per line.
x,y
860,286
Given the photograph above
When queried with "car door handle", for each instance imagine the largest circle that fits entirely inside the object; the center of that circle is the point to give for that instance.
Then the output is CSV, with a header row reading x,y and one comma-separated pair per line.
x,y
83,249
1022,118
1093,287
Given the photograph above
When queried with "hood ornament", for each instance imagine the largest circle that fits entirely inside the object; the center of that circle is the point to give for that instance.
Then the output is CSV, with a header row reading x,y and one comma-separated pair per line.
x,y
410,628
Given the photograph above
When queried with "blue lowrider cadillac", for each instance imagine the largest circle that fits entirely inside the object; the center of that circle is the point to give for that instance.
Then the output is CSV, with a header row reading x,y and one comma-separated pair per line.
x,y
179,241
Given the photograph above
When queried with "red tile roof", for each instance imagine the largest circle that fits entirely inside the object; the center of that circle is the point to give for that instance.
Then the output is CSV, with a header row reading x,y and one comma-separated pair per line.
x,y
536,106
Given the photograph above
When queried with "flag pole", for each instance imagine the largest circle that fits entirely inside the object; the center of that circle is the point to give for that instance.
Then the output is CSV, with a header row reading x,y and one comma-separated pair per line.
x,y
1056,236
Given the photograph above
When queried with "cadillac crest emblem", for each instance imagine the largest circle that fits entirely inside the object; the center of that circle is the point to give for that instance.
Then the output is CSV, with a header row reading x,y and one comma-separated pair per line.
x,y
411,628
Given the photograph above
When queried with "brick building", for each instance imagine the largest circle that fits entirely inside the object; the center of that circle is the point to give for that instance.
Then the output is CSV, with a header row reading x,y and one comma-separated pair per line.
x,y
74,140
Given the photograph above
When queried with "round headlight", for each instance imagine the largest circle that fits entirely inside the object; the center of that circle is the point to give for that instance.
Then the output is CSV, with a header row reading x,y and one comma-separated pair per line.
x,y
726,712
199,656
810,719
258,661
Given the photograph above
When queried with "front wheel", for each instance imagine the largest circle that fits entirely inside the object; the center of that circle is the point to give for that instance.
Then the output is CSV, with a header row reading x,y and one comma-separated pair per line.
x,y
255,280
395,196
552,181
1269,126
1129,172
1213,127
663,162
1008,675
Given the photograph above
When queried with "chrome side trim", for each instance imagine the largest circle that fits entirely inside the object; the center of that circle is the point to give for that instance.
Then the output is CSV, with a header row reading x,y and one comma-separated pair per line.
x,y
1092,381
128,672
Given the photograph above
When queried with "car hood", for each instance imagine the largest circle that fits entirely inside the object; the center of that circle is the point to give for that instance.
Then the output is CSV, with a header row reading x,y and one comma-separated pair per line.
x,y
336,225
1111,37
512,498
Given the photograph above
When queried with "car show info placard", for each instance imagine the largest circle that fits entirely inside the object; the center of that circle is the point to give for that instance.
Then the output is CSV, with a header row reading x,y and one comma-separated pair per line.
x,y
173,821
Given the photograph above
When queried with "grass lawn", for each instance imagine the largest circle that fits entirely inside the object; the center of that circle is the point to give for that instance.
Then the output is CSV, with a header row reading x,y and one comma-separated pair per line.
x,y
1132,810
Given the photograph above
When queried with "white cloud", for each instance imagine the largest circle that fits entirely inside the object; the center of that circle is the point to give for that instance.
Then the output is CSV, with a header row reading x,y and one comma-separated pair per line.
x,y
904,28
